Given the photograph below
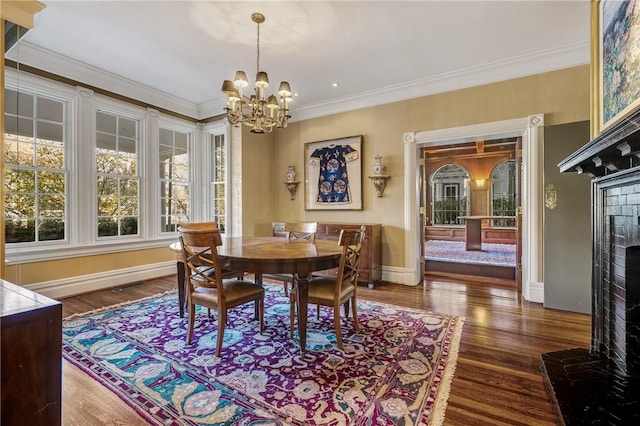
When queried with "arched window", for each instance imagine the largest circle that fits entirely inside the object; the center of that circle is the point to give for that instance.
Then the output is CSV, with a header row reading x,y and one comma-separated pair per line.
x,y
503,193
449,189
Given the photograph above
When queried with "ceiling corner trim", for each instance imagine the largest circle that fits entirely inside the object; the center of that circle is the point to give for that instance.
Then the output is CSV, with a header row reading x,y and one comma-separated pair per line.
x,y
546,61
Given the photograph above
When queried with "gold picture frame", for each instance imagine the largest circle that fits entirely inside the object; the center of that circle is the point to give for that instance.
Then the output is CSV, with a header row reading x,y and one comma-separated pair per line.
x,y
615,87
333,174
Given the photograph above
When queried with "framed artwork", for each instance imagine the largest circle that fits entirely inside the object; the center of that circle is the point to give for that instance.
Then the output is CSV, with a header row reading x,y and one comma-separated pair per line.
x,y
333,174
616,56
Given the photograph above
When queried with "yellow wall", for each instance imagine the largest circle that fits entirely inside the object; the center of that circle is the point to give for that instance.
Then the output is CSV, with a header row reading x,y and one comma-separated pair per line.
x,y
563,97
29,273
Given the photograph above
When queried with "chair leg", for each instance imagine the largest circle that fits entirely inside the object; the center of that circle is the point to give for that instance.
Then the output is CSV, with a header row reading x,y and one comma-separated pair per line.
x,y
222,321
286,288
318,311
336,321
354,310
346,309
190,322
261,314
292,315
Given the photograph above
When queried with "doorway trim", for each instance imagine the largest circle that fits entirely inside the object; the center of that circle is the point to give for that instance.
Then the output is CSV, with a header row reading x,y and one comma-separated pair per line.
x,y
531,129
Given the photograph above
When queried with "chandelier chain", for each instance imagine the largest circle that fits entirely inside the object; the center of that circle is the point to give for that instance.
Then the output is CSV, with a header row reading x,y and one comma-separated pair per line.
x,y
258,49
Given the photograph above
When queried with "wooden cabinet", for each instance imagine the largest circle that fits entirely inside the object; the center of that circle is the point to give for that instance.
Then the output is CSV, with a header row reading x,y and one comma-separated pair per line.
x,y
31,357
370,269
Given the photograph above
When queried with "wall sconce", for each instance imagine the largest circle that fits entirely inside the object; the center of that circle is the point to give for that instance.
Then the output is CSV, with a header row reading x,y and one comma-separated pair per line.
x,y
379,179
290,181
480,183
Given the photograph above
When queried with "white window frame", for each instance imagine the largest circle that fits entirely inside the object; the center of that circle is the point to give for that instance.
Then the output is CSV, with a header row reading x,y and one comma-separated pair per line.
x,y
124,110
174,125
81,105
211,130
27,83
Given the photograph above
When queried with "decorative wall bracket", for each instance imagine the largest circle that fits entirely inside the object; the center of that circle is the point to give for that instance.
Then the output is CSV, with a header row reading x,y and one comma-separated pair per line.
x,y
380,182
293,188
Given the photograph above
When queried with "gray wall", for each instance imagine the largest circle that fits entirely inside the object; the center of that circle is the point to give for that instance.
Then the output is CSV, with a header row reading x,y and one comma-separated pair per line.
x,y
567,227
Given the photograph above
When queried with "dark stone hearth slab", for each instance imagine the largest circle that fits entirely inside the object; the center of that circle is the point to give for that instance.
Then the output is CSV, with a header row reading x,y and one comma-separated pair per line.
x,y
586,389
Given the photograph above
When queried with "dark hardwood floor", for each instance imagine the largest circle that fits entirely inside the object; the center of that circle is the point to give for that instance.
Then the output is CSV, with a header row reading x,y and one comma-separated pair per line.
x,y
497,379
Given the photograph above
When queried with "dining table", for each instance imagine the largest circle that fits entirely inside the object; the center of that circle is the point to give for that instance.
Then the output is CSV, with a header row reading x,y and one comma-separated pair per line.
x,y
275,255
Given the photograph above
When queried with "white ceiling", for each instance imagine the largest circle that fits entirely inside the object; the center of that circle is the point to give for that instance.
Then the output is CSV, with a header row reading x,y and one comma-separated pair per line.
x,y
379,51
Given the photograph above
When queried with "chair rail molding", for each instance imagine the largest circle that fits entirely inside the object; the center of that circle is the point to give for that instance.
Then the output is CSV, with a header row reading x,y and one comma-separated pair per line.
x,y
531,130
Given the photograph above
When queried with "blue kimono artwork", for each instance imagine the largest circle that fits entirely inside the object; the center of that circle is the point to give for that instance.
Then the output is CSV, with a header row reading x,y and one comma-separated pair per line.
x,y
333,180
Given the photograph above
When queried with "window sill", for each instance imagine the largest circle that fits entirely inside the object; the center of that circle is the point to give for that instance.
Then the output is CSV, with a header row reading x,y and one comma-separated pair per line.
x,y
15,256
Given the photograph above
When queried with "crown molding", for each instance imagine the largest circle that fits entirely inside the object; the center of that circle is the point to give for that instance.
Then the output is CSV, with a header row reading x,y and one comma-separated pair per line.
x,y
46,60
545,61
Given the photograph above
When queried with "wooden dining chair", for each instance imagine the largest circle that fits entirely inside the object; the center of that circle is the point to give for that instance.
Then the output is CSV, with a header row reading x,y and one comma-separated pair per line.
x,y
294,231
198,226
206,285
340,290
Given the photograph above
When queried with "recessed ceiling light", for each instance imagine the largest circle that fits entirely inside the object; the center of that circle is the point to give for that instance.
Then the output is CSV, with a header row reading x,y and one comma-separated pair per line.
x,y
336,84
295,94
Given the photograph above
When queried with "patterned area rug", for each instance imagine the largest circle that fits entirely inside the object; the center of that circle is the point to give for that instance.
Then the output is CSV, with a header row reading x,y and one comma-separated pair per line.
x,y
454,251
396,370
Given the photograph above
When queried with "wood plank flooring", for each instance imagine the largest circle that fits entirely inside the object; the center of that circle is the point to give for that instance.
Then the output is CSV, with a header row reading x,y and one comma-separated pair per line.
x,y
497,379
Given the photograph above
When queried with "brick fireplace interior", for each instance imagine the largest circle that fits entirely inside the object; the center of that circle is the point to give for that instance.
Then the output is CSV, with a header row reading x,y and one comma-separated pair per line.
x,y
601,385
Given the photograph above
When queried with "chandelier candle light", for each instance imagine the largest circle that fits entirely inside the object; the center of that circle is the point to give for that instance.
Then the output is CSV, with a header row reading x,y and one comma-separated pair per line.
x,y
259,112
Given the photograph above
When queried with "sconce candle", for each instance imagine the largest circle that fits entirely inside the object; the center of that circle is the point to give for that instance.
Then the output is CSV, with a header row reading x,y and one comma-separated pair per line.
x,y
291,173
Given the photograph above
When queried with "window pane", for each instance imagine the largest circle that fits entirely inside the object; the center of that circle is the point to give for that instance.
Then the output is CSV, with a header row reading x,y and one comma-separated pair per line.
x,y
51,229
105,123
51,182
19,126
49,131
51,206
50,110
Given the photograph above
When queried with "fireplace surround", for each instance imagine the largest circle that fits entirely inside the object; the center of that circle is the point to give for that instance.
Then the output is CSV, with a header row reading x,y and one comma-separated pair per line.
x,y
601,385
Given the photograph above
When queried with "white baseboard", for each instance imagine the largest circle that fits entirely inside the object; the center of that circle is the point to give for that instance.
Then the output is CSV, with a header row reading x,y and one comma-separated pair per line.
x,y
72,286
535,292
394,274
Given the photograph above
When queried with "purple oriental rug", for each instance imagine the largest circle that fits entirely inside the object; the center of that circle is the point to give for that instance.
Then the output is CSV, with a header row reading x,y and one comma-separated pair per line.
x,y
396,371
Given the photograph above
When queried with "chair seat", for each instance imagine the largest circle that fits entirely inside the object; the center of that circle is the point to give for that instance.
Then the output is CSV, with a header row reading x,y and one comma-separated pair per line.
x,y
279,277
322,289
236,292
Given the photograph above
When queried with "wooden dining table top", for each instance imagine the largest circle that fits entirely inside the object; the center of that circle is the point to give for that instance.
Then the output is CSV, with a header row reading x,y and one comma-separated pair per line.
x,y
276,249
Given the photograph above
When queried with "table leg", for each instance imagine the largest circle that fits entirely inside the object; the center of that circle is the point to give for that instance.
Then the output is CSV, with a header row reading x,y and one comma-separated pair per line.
x,y
473,234
258,280
181,289
302,294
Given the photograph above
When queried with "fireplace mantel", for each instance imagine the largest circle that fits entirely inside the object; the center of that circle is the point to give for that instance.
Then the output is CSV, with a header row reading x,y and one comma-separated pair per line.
x,y
617,148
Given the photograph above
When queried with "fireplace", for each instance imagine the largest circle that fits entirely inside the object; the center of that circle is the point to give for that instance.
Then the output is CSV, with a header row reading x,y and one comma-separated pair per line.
x,y
601,385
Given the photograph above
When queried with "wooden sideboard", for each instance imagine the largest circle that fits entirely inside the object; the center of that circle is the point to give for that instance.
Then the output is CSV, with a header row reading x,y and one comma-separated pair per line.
x,y
31,357
370,269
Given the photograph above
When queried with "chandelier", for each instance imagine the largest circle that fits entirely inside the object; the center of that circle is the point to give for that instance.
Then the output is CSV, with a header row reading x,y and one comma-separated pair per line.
x,y
260,112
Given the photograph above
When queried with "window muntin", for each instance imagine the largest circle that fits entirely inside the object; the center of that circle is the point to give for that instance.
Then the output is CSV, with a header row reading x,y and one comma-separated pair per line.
x,y
117,179
174,166
503,193
35,168
449,188
218,184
